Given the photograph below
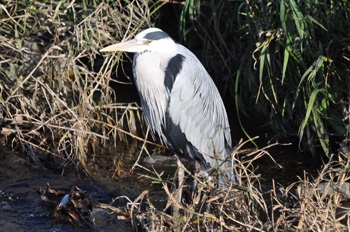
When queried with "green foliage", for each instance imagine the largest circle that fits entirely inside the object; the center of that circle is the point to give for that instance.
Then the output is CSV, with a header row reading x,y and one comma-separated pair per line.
x,y
289,58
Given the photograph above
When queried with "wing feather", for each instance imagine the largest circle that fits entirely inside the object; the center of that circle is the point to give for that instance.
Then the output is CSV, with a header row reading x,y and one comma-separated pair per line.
x,y
196,106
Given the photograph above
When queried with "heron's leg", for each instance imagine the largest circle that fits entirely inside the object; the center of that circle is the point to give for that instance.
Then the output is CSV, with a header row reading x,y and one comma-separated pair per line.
x,y
197,169
176,208
181,178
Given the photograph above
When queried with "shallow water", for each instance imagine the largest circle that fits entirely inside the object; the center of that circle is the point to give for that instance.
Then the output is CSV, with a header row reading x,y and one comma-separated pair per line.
x,y
291,165
22,209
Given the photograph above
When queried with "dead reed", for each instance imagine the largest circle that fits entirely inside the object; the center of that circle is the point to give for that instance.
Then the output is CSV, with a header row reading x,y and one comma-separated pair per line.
x,y
311,204
56,99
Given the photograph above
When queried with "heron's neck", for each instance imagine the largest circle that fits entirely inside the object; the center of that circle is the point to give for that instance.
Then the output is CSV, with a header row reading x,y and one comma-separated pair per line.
x,y
166,51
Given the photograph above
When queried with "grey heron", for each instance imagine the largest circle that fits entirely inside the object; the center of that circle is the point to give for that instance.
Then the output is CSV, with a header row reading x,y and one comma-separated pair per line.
x,y
180,101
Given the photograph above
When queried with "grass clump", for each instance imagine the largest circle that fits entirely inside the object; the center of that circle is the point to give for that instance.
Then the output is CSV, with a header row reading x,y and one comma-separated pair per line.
x,y
56,99
312,204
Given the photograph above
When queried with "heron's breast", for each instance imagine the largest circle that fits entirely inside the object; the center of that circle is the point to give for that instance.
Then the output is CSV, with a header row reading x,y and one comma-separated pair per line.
x,y
149,79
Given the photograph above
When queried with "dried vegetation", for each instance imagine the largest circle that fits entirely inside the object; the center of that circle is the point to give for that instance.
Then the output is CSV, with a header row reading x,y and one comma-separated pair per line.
x,y
311,204
56,99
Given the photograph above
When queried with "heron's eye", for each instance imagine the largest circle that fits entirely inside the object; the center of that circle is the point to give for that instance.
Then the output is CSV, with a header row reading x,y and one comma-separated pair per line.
x,y
149,41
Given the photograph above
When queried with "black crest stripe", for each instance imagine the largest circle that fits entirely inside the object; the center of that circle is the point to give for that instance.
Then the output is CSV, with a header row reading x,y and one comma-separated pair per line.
x,y
156,35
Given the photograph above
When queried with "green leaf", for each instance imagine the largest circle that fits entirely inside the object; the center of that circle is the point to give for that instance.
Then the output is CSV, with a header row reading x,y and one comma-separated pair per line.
x,y
322,133
315,22
262,62
282,15
191,10
310,106
314,68
298,16
285,62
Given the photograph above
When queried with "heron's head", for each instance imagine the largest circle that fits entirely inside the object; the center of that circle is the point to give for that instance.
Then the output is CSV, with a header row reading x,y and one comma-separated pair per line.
x,y
151,39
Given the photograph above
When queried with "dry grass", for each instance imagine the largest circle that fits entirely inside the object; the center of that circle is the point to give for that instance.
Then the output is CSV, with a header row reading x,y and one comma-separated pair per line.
x,y
318,204
56,99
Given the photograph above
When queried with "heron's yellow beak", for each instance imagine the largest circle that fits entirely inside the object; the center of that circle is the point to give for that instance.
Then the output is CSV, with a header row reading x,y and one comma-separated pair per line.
x,y
128,46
